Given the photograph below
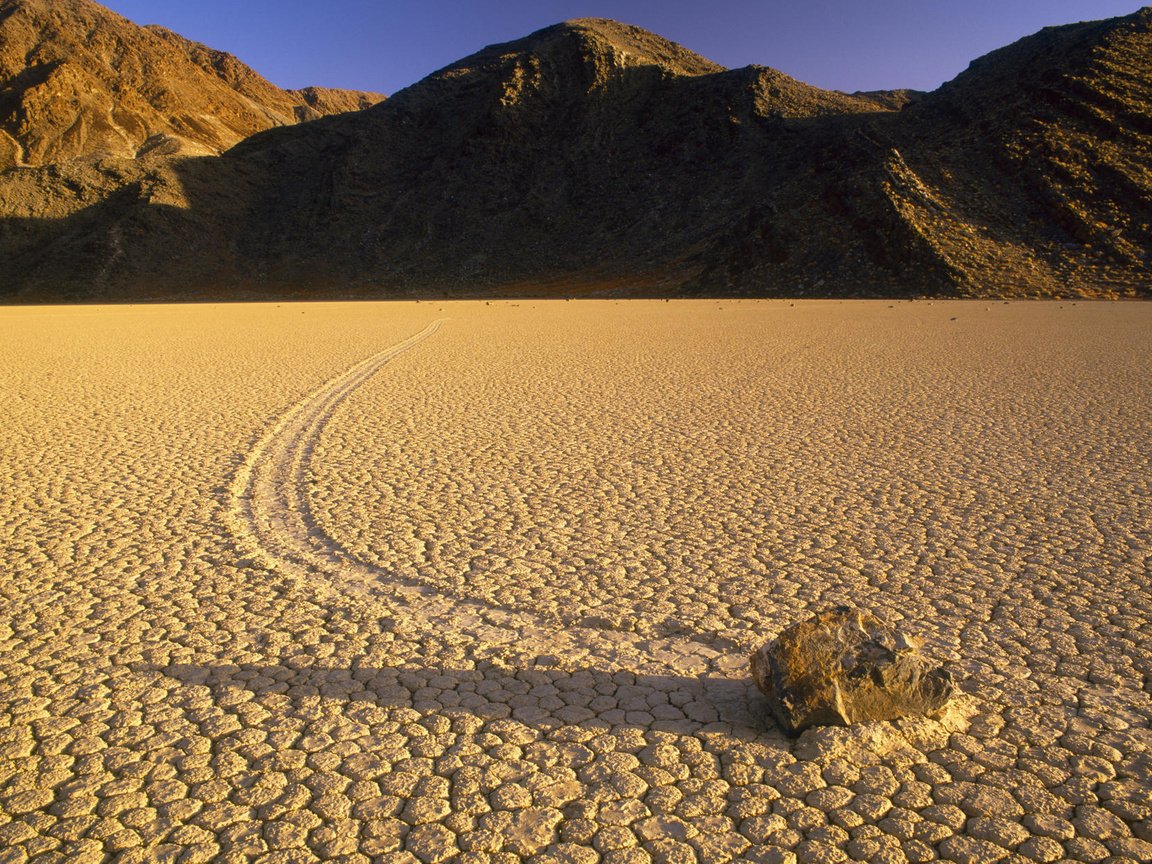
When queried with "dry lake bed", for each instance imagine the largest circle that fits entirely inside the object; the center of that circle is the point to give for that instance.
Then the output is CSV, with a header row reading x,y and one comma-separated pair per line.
x,y
477,582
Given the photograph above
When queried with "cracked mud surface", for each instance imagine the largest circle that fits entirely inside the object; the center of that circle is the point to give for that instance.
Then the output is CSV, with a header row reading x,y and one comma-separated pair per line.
x,y
332,581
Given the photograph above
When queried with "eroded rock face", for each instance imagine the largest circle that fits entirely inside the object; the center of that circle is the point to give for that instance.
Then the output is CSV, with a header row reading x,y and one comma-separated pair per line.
x,y
845,666
80,81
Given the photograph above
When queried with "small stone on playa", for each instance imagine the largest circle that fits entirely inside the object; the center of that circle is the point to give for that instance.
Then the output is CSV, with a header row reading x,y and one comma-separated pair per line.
x,y
845,666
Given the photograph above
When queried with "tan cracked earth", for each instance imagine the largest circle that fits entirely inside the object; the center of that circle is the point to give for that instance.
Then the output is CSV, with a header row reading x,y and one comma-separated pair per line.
x,y
420,582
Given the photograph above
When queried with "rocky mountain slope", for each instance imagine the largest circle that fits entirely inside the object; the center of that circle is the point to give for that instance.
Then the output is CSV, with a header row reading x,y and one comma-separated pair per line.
x,y
77,80
596,157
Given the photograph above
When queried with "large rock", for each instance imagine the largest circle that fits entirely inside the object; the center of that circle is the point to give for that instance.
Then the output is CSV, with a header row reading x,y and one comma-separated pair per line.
x,y
845,666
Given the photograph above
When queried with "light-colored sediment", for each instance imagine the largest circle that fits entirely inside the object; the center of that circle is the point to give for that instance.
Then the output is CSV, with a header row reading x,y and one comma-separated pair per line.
x,y
325,581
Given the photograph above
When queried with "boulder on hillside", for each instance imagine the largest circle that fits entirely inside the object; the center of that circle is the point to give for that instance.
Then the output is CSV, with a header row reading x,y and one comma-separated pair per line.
x,y
845,666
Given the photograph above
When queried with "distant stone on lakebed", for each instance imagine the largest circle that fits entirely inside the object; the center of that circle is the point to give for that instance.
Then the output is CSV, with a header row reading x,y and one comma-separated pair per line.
x,y
845,666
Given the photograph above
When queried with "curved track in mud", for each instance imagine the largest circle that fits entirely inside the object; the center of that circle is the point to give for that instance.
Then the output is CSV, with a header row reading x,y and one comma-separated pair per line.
x,y
271,515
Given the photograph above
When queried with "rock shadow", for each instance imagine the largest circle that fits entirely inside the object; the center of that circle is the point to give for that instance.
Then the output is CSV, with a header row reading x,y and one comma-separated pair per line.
x,y
544,699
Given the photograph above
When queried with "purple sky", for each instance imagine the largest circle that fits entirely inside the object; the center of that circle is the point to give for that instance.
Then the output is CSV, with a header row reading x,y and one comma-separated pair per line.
x,y
385,45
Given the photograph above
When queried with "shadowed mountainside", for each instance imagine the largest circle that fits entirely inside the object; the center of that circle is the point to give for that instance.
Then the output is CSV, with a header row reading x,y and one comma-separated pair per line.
x,y
596,157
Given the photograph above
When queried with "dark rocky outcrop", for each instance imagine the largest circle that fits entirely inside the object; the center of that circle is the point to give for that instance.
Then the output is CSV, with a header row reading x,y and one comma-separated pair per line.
x,y
844,666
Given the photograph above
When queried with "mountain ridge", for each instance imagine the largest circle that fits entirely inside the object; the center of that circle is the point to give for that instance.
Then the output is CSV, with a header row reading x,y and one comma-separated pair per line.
x,y
593,156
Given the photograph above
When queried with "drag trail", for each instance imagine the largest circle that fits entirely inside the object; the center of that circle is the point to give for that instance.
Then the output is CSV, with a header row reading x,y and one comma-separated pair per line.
x,y
271,514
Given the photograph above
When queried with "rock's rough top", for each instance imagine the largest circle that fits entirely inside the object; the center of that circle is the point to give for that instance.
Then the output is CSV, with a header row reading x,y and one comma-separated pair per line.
x,y
845,666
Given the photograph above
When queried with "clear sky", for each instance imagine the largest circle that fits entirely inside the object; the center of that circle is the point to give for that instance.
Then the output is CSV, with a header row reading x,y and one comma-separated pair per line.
x,y
385,45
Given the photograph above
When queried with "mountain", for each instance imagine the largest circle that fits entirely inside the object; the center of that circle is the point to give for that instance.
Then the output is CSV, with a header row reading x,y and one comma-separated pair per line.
x,y
77,80
592,156
1038,155
588,151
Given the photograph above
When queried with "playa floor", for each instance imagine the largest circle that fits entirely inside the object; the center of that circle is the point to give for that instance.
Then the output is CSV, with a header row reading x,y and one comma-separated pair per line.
x,y
423,582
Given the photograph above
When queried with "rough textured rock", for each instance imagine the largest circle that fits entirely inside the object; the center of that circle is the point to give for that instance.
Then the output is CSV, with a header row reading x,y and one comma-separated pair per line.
x,y
845,666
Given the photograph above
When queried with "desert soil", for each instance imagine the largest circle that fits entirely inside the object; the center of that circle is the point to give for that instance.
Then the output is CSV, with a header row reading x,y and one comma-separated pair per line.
x,y
477,582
